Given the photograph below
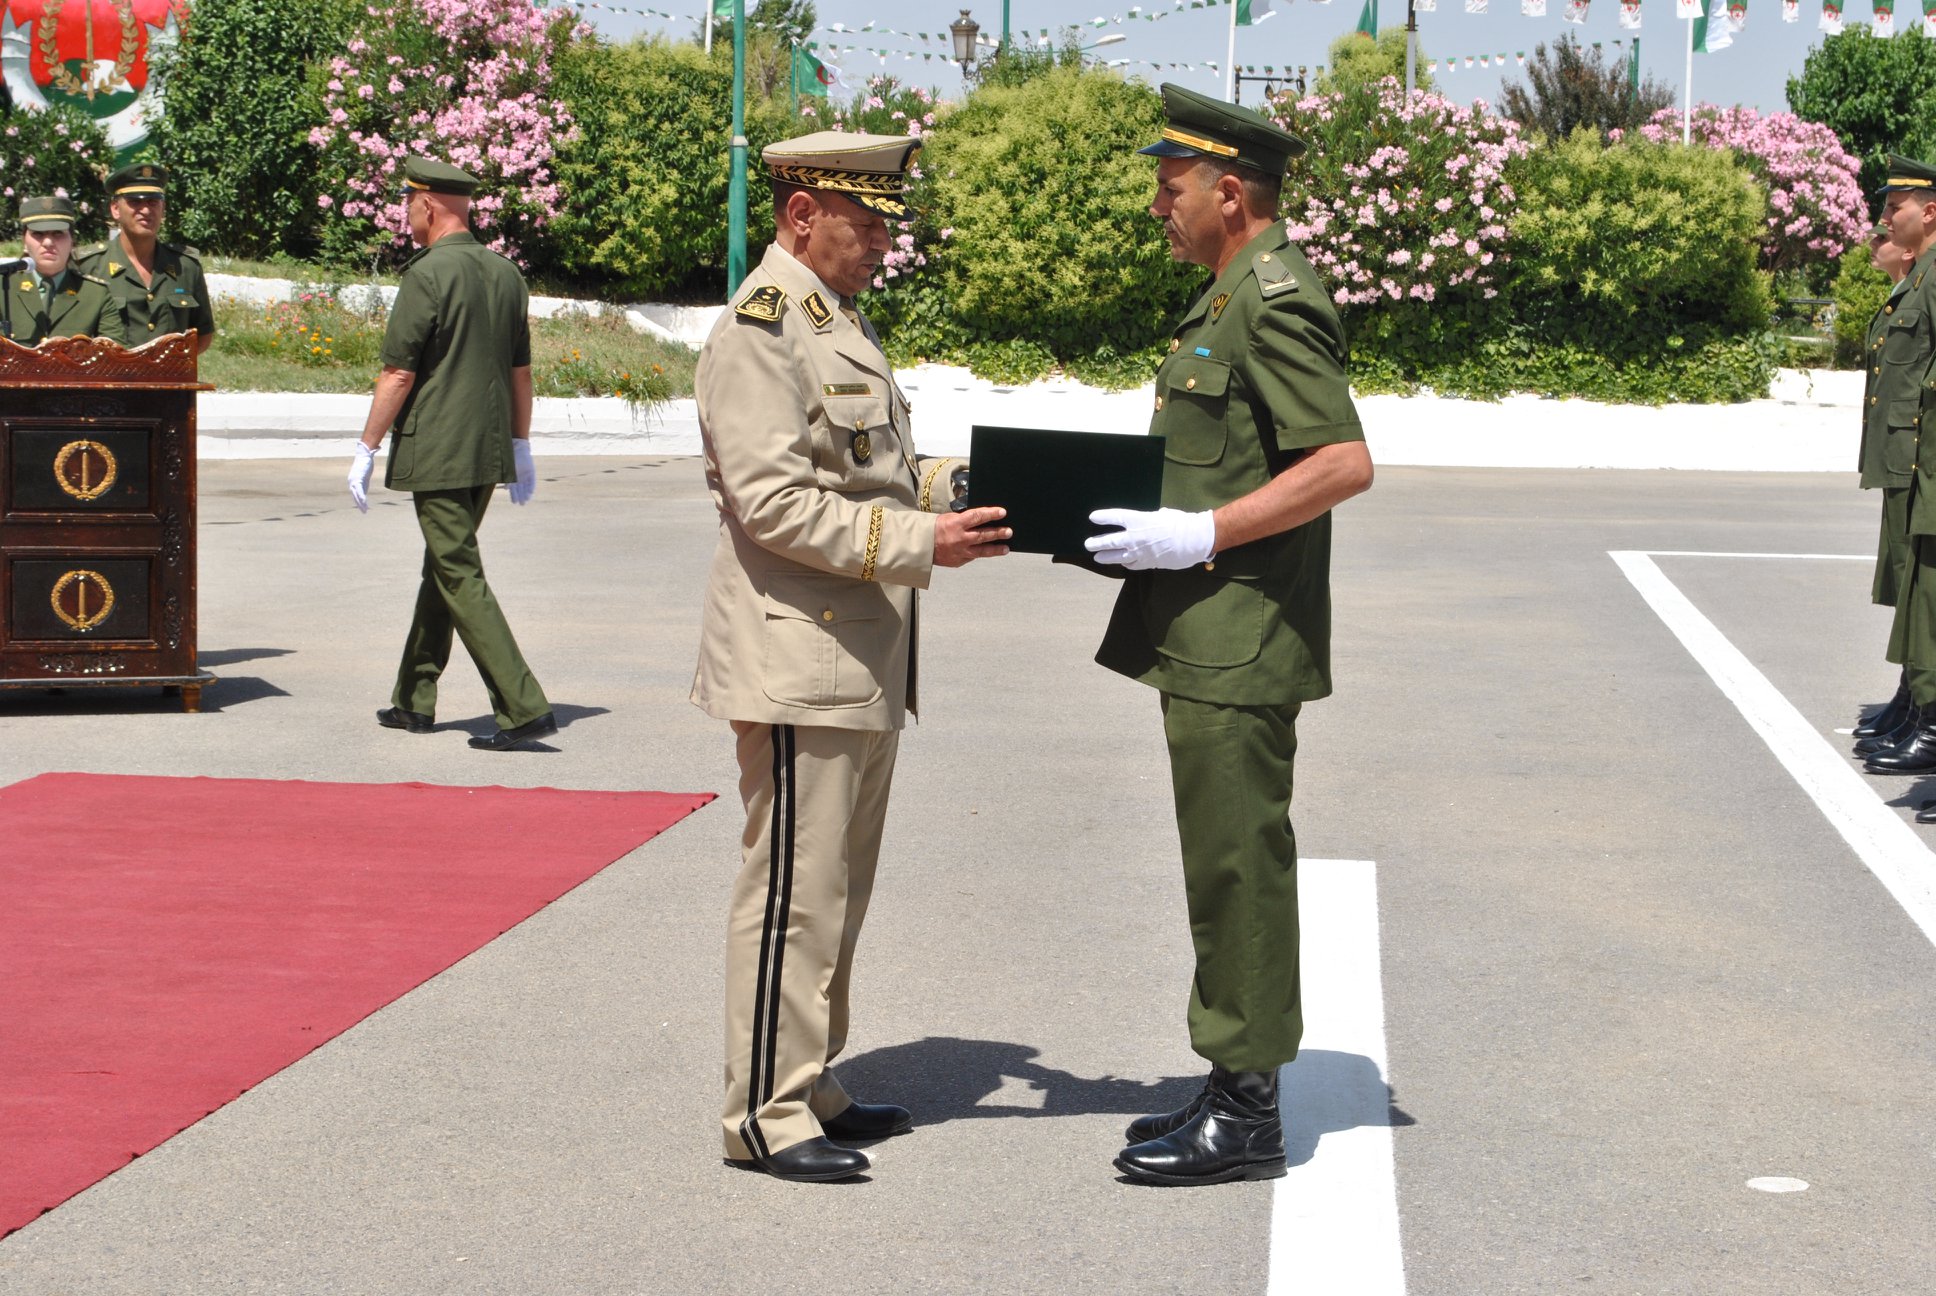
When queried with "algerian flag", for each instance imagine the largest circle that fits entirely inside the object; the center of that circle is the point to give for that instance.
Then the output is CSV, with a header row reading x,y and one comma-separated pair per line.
x,y
1929,17
722,8
1575,11
1711,34
1532,8
810,75
1249,11
1885,17
1831,17
1368,25
1687,8
1630,15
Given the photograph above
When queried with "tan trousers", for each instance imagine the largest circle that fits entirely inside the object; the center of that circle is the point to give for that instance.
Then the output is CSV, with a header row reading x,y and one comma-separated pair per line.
x,y
815,801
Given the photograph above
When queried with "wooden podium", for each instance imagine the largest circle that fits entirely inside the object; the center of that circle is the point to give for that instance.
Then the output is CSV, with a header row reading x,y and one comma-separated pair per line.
x,y
97,515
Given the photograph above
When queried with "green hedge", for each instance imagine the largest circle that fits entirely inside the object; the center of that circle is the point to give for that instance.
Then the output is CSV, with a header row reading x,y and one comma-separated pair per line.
x,y
1859,292
646,180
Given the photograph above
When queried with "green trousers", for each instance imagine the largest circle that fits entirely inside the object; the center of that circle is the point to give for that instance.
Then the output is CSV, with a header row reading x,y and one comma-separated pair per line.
x,y
454,597
1231,770
1892,547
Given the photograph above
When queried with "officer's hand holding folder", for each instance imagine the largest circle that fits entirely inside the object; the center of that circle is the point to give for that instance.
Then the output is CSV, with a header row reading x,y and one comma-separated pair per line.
x,y
1050,482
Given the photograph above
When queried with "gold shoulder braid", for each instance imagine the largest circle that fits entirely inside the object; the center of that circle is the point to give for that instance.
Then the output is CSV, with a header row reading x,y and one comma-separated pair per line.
x,y
764,304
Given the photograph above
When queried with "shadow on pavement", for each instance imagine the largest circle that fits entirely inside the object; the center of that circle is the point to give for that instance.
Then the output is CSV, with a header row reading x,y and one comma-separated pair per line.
x,y
943,1079
230,656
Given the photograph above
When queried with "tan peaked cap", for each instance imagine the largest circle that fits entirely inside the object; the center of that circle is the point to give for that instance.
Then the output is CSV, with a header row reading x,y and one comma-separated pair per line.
x,y
870,169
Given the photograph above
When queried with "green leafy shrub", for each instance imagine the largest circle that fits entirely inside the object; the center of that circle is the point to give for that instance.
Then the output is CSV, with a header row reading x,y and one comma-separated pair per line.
x,y
1036,229
1860,291
61,152
645,182
246,191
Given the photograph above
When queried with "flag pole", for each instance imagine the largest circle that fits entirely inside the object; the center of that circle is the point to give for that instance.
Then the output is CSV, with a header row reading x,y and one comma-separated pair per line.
x,y
1230,65
1411,44
709,31
736,172
1687,87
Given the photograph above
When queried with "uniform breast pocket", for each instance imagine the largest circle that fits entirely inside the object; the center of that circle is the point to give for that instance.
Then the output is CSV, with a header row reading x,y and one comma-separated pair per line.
x,y
1195,391
862,444
1202,620
1903,342
825,641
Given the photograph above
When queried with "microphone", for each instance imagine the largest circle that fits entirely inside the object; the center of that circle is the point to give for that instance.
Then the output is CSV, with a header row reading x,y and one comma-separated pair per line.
x,y
13,267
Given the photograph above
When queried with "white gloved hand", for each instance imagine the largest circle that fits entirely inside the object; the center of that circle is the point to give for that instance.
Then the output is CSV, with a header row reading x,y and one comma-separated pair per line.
x,y
360,476
1167,538
527,483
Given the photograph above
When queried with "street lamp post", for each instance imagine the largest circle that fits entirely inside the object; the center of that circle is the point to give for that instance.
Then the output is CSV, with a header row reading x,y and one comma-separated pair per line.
x,y
964,30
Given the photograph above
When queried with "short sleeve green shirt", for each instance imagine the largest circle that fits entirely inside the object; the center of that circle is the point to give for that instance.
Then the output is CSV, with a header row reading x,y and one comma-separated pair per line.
x,y
176,300
461,324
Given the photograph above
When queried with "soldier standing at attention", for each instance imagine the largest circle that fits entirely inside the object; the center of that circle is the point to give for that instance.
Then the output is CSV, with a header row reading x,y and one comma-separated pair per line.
x,y
1886,460
456,392
1226,610
159,285
828,524
1894,379
54,299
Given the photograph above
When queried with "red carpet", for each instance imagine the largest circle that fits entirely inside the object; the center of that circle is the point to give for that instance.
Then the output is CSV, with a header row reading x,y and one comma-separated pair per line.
x,y
165,944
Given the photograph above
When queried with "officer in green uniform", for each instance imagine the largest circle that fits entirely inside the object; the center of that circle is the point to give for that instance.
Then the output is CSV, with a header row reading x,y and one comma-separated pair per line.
x,y
1894,381
53,298
1226,610
1885,462
160,286
456,392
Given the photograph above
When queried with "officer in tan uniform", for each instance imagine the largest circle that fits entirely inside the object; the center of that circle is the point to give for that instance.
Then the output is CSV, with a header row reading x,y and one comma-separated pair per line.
x,y
828,524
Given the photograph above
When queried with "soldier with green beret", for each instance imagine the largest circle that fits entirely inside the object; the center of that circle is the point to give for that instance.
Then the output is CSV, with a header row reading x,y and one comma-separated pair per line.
x,y
1897,368
1226,610
160,286
455,399
54,298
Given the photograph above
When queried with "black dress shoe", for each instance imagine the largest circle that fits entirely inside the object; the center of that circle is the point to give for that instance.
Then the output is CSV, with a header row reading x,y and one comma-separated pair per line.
x,y
530,731
1894,736
814,1161
1237,1134
1888,715
1145,1128
1914,755
412,721
868,1121
1926,814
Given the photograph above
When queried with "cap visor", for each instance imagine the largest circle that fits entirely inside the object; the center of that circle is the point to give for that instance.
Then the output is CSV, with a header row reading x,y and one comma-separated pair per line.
x,y
1170,149
892,208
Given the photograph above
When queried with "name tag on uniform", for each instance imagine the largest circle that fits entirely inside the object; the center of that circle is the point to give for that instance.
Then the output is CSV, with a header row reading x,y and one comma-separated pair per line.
x,y
846,389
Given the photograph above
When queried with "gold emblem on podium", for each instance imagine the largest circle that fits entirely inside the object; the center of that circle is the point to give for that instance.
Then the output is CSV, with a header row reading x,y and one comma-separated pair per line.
x,y
82,599
85,469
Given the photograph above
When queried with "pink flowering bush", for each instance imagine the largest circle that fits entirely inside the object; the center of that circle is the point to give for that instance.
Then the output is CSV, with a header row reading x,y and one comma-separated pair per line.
x,y
886,107
1400,201
468,81
58,152
1815,203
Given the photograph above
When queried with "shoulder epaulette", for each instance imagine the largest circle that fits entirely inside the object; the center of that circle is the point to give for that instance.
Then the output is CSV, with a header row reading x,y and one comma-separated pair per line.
x,y
90,251
194,254
1273,274
93,279
766,304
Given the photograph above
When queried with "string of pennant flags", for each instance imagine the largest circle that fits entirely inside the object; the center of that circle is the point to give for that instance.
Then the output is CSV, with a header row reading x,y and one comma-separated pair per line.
x,y
1724,16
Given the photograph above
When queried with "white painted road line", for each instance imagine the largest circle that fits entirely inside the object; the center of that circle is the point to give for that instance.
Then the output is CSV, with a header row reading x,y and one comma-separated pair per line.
x,y
1334,1218
1697,553
1881,839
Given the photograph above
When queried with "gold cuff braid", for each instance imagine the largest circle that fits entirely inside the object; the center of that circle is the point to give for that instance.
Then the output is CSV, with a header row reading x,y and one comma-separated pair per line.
x,y
927,484
873,542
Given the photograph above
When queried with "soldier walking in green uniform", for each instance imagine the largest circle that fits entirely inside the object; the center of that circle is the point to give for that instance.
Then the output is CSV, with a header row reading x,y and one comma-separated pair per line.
x,y
1885,461
1226,610
455,398
159,285
54,299
1894,379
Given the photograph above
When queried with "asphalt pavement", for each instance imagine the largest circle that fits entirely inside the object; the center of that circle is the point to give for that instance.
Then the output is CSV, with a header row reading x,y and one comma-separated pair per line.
x,y
1629,963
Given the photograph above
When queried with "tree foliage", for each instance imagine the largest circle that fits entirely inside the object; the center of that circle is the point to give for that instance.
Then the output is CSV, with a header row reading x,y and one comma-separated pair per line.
x,y
1872,91
1357,63
1571,85
60,152
251,192
789,22
644,182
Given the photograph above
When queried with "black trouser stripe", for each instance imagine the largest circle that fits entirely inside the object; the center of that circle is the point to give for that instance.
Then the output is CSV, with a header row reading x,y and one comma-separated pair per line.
x,y
779,895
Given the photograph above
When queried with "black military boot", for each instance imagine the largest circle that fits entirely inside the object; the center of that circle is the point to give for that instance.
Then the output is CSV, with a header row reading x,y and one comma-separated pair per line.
x,y
1894,736
1891,714
1916,754
1145,1128
1236,1134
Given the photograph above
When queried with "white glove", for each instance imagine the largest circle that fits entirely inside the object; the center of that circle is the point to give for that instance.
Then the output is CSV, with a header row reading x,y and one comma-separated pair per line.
x,y
527,483
1167,538
360,476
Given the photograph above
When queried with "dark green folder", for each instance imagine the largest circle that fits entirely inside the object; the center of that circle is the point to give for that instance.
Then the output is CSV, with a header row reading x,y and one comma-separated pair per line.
x,y
1050,482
